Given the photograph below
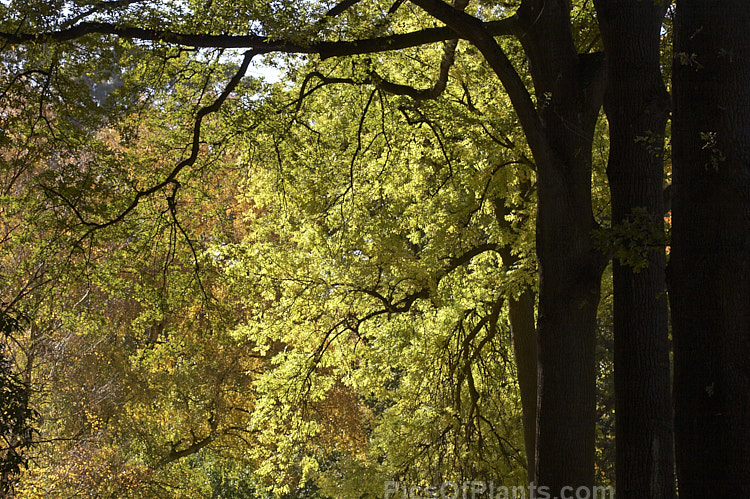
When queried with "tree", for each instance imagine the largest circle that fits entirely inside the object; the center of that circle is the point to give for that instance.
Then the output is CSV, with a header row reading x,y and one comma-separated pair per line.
x,y
125,340
709,269
559,130
386,207
637,107
558,122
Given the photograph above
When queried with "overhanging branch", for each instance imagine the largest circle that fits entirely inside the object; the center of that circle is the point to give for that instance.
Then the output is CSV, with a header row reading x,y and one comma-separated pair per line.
x,y
341,7
474,30
260,44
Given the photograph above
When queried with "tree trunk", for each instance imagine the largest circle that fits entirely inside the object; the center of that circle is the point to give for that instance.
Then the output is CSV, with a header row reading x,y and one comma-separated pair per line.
x,y
523,331
521,315
568,100
637,106
568,89
709,270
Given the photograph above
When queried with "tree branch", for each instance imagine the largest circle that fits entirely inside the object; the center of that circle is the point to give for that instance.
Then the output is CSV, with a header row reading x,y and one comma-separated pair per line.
x,y
175,454
195,148
474,30
405,303
100,7
341,7
259,44
446,62
197,445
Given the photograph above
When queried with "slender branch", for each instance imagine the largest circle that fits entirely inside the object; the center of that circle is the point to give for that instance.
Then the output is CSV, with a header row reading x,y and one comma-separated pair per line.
x,y
466,257
341,7
190,160
405,303
395,6
20,75
326,80
423,94
197,445
373,78
196,262
446,62
100,7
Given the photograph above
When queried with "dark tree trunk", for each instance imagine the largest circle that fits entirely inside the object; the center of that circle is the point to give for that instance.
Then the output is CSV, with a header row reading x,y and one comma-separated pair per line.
x,y
709,274
637,107
569,281
521,315
566,402
568,88
569,267
523,331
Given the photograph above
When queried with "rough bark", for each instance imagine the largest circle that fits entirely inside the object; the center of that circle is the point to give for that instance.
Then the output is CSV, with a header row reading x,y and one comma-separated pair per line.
x,y
637,106
709,274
